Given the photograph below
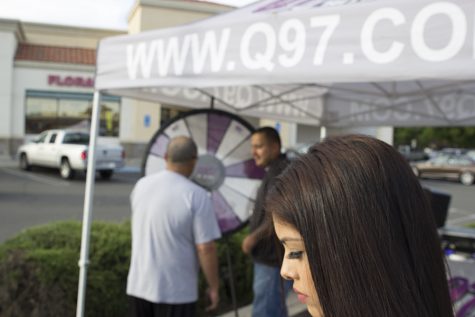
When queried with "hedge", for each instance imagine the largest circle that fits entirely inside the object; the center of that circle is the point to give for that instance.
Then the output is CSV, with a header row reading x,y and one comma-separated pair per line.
x,y
39,272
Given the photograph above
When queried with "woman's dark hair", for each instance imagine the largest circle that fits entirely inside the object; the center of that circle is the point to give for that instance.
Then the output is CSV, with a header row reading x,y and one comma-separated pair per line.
x,y
368,230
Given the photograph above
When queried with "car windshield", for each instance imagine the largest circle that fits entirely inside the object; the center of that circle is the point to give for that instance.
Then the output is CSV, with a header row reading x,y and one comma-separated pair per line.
x,y
461,160
440,159
76,138
41,138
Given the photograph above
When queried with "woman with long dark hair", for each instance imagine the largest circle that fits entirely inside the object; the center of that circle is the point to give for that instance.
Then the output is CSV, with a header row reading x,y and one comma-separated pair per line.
x,y
359,235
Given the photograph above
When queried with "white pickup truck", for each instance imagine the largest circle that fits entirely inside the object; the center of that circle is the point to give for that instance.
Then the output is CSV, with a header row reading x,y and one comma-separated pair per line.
x,y
67,150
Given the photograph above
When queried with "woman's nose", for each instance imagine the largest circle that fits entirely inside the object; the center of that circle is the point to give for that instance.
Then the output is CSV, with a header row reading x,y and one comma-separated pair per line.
x,y
287,272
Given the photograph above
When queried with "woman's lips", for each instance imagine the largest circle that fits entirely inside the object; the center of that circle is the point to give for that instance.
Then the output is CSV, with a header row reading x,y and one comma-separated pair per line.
x,y
302,297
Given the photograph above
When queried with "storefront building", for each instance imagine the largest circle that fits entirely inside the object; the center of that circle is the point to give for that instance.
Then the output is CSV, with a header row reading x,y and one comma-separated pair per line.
x,y
46,81
47,78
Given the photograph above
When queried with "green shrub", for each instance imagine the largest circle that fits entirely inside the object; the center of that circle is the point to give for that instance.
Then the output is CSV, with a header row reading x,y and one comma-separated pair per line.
x,y
39,271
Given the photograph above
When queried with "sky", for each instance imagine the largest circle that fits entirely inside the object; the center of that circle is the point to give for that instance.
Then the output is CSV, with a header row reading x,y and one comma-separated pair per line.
x,y
105,14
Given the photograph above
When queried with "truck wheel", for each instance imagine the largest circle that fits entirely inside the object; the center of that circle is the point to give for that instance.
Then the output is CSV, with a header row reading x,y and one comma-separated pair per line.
x,y
466,178
24,164
106,174
65,169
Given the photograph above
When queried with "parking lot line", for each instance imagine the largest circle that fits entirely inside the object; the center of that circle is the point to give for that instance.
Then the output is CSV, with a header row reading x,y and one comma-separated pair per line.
x,y
40,179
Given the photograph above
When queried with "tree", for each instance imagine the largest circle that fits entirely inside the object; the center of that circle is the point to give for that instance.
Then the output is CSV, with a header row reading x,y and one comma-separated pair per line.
x,y
436,138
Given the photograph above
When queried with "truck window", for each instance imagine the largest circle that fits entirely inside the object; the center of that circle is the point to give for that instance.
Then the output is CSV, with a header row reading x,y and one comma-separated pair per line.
x,y
52,139
76,138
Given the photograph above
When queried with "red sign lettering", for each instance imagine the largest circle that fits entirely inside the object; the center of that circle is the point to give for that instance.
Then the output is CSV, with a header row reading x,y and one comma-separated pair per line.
x,y
70,81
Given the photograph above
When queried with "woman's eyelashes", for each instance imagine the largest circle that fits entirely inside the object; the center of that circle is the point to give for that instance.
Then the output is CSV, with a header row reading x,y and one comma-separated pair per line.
x,y
295,255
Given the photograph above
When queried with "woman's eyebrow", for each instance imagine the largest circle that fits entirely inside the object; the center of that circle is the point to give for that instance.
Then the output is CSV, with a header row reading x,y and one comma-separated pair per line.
x,y
288,239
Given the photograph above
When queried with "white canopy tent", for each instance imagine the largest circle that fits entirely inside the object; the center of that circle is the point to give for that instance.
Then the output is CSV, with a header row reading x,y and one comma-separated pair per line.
x,y
408,62
333,63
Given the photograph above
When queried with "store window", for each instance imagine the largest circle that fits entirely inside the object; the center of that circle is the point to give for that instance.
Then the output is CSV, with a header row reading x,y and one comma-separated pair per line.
x,y
168,113
50,110
41,114
110,111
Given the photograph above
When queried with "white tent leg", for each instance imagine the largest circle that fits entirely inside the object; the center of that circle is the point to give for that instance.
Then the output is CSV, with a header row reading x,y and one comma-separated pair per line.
x,y
87,211
323,133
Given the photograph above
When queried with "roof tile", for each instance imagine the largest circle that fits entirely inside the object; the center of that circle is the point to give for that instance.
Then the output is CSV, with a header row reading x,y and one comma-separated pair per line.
x,y
55,54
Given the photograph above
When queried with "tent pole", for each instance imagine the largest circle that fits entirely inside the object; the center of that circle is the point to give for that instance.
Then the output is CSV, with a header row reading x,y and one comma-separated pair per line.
x,y
87,211
323,133
212,103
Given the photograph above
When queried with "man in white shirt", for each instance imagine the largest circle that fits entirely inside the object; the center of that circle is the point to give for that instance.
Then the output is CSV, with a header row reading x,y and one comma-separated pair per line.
x,y
173,233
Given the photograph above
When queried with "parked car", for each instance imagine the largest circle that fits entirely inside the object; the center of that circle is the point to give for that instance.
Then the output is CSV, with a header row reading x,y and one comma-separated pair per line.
x,y
67,150
296,150
412,155
453,151
460,167
471,154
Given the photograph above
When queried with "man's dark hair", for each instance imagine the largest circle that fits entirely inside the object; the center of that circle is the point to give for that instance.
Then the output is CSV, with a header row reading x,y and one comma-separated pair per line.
x,y
181,149
270,134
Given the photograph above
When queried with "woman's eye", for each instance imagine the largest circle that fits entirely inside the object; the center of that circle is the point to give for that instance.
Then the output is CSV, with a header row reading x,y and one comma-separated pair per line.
x,y
295,255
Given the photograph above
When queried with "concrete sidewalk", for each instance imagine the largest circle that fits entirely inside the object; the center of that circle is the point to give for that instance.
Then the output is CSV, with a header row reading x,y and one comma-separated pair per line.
x,y
296,309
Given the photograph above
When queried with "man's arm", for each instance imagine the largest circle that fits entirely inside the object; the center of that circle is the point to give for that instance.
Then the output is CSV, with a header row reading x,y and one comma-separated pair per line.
x,y
208,258
251,240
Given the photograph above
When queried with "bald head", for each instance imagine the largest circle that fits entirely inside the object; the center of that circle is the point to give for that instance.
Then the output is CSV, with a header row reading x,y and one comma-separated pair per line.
x,y
181,150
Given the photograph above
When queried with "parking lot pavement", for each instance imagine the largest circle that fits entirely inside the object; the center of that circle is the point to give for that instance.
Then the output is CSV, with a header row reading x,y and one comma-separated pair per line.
x,y
41,196
131,166
7,161
460,217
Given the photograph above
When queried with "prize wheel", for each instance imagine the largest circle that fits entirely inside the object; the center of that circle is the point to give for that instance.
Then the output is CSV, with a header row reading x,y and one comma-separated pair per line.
x,y
225,166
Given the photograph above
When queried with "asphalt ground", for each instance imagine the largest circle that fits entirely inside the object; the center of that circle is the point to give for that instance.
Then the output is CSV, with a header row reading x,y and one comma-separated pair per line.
x,y
41,196
462,204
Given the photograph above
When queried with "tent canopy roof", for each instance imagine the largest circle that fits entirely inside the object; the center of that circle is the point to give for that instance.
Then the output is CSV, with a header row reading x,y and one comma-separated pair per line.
x,y
322,62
